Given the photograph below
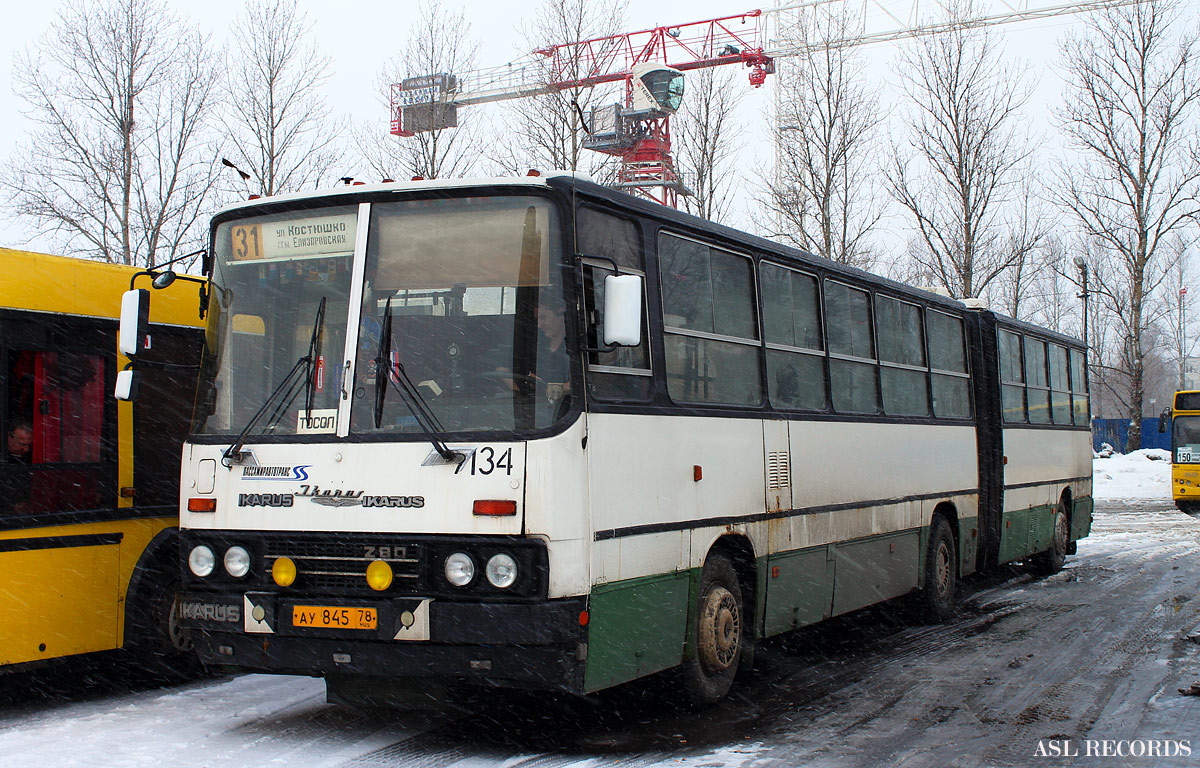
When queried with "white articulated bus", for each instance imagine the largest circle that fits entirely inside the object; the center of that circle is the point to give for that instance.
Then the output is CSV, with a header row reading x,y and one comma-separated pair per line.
x,y
417,452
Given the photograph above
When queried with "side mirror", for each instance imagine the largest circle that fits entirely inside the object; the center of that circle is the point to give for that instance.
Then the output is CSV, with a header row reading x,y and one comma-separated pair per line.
x,y
1164,419
135,321
128,383
623,310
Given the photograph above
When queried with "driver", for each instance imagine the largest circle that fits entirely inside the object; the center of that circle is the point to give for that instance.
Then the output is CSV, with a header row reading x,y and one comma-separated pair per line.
x,y
553,366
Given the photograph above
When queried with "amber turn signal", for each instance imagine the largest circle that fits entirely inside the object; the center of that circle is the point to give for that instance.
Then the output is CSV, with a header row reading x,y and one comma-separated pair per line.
x,y
284,571
379,575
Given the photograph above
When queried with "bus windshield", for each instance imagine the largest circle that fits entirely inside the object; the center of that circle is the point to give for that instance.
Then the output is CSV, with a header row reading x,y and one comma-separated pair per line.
x,y
1187,439
270,275
477,320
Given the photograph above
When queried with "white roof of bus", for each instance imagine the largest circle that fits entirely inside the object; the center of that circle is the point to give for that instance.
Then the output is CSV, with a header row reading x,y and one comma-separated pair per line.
x,y
359,188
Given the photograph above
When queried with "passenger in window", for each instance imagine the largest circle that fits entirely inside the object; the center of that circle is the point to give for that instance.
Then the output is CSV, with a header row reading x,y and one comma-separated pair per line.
x,y
19,443
787,385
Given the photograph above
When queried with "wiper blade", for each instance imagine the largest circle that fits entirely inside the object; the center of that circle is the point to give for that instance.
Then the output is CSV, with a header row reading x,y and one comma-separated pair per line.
x,y
314,358
387,373
382,355
303,367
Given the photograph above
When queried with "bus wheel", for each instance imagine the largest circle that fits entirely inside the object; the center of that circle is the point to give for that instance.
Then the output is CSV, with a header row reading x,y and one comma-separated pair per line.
x,y
1052,560
717,634
936,600
162,646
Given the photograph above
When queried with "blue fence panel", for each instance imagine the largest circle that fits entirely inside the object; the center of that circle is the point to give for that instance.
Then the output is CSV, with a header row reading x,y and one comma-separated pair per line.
x,y
1115,432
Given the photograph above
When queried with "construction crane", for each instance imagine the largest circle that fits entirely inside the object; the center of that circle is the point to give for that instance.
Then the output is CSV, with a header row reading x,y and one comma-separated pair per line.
x,y
650,63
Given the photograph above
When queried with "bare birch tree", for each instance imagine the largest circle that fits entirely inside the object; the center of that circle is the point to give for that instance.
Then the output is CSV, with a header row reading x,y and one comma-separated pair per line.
x,y
821,192
962,160
439,42
276,123
1177,307
1130,105
706,147
547,131
118,168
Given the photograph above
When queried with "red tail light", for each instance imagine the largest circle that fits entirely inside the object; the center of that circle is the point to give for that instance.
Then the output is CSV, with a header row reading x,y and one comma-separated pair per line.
x,y
494,507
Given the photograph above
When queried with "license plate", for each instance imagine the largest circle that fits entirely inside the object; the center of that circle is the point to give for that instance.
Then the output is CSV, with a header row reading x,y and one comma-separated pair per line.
x,y
333,617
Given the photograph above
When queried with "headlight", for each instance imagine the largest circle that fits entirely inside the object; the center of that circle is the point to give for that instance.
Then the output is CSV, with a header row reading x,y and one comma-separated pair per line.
x,y
237,562
201,561
460,569
501,571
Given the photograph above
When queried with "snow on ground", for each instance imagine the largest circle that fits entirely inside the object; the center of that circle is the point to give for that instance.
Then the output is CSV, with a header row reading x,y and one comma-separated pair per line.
x,y
1144,474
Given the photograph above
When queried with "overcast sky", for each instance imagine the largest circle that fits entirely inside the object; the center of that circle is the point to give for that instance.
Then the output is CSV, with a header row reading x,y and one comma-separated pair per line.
x,y
361,35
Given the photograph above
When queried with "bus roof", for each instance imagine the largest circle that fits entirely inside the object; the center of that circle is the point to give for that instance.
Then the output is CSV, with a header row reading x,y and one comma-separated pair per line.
x,y
567,181
41,282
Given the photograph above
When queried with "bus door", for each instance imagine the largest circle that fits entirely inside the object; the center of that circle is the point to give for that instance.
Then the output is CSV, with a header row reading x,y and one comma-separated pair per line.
x,y
58,470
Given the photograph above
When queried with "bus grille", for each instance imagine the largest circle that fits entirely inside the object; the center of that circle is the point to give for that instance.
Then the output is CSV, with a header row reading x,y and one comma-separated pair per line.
x,y
340,567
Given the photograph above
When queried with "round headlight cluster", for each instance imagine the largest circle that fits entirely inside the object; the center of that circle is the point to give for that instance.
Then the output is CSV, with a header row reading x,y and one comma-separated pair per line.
x,y
500,570
202,562
237,562
460,569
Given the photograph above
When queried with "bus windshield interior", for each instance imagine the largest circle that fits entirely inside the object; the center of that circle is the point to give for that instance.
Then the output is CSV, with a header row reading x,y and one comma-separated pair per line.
x,y
1186,439
477,319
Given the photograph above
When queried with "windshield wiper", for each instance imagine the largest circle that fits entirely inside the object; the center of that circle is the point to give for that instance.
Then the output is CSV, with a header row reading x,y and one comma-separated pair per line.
x,y
304,366
425,418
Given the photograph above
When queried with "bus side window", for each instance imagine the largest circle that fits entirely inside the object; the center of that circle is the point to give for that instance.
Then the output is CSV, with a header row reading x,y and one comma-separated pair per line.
x,y
710,331
1060,385
1012,379
1037,385
624,373
795,343
903,373
1079,389
852,351
948,359
54,414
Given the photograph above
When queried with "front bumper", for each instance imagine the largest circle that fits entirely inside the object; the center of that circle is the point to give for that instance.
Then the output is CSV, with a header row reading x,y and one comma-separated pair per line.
x,y
529,645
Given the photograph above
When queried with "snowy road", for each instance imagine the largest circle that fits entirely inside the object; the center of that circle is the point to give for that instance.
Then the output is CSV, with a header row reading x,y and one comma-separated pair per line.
x,y
1095,652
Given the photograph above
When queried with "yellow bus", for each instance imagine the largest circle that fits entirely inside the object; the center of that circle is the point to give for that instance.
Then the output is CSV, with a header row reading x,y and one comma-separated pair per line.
x,y
1184,415
88,486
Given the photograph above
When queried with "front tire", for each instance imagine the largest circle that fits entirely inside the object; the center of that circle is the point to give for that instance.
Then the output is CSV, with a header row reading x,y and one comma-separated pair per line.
x,y
161,646
718,633
936,600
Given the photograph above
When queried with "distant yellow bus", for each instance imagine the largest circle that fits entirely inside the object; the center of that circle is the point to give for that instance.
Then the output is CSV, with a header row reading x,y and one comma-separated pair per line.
x,y
88,486
1184,415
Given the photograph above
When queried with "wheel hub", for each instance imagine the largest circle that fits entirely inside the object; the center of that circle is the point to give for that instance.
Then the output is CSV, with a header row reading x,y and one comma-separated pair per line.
x,y
720,630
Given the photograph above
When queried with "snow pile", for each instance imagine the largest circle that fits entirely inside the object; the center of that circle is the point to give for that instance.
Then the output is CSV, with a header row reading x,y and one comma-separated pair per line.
x,y
1144,474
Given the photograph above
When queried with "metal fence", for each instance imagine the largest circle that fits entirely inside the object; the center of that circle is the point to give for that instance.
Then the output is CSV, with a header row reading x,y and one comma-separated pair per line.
x,y
1115,432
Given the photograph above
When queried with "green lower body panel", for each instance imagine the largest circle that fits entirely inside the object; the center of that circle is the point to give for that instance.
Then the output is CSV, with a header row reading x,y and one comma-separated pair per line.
x,y
799,589
1081,518
876,569
636,627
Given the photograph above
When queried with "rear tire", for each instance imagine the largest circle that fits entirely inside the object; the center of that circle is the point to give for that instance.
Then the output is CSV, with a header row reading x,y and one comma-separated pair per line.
x,y
718,634
936,601
1052,560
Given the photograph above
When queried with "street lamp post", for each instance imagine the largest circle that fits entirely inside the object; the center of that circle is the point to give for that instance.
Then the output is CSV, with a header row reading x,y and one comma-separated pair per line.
x,y
1182,343
1083,273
